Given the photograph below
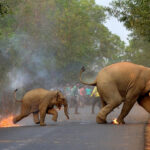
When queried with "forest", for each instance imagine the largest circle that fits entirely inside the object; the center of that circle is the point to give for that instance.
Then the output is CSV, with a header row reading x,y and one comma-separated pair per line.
x,y
44,43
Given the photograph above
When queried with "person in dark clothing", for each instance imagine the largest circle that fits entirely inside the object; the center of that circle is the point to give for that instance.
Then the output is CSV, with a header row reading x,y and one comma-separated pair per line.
x,y
75,98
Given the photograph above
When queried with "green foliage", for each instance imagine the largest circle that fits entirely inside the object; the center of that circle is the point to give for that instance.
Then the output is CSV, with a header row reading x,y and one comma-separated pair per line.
x,y
135,15
54,38
138,51
3,8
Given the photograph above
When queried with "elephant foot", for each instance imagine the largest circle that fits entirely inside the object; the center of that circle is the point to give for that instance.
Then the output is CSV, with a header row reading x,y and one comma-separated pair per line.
x,y
67,116
100,120
120,121
38,122
42,124
54,119
14,120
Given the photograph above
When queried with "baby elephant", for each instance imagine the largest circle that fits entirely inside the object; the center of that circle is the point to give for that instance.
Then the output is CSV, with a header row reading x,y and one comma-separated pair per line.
x,y
41,101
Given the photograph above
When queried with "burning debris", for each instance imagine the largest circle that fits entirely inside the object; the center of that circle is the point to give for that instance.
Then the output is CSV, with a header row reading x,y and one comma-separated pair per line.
x,y
115,121
8,122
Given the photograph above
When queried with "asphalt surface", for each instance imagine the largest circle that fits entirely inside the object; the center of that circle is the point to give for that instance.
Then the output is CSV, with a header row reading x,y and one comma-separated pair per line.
x,y
79,133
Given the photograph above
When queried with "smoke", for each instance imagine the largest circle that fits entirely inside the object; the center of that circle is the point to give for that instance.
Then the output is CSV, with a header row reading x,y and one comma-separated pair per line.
x,y
33,53
30,67
17,79
35,49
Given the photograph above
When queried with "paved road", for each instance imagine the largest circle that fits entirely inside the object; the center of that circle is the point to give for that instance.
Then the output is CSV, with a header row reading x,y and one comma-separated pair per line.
x,y
79,133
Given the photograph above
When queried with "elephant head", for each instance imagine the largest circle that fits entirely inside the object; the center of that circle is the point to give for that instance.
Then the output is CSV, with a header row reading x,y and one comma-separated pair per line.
x,y
61,100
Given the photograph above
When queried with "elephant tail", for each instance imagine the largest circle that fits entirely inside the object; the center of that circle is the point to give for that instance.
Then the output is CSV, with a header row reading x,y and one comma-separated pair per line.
x,y
83,82
15,99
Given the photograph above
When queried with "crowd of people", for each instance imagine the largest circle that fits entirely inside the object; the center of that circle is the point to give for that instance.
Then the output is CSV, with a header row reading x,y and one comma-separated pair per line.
x,y
79,96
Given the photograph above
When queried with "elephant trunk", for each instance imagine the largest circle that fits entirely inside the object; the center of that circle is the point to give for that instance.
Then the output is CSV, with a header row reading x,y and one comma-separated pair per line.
x,y
66,109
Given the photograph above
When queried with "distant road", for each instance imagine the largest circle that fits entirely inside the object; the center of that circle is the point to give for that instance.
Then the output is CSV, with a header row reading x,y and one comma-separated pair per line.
x,y
79,133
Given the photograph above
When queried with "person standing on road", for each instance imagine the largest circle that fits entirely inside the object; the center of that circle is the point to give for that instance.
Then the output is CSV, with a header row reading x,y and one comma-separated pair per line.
x,y
88,92
96,99
82,95
74,93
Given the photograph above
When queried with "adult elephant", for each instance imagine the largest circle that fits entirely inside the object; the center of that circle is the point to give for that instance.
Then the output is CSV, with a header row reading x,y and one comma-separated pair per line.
x,y
121,82
41,101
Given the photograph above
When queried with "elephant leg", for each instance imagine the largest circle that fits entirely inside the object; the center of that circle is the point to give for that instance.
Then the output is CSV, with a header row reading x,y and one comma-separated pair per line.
x,y
144,102
19,117
101,117
109,100
42,115
128,104
54,113
25,111
130,100
102,103
36,117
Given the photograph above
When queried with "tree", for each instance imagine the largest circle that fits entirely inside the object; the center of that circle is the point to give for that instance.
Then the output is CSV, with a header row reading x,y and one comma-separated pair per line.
x,y
138,51
134,14
54,38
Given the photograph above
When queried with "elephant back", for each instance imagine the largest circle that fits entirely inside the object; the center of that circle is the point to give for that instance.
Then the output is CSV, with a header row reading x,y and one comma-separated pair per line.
x,y
35,95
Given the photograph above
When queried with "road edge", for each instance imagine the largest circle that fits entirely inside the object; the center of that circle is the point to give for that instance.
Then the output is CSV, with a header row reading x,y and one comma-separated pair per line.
x,y
147,136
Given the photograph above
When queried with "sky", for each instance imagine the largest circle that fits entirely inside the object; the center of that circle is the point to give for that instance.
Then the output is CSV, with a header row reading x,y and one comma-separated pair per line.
x,y
113,24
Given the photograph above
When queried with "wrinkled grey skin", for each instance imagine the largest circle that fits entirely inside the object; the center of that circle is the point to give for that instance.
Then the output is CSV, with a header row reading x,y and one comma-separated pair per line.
x,y
41,101
118,83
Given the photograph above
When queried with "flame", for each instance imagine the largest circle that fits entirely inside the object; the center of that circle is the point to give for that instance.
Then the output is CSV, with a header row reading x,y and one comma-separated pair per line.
x,y
8,122
115,121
